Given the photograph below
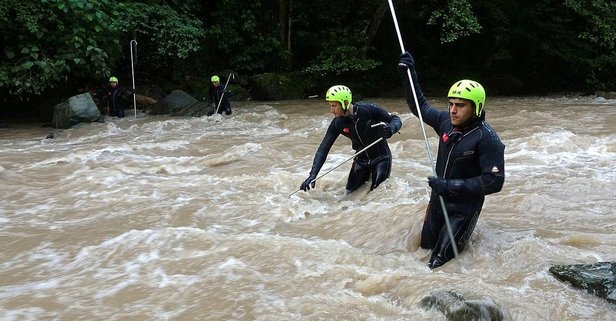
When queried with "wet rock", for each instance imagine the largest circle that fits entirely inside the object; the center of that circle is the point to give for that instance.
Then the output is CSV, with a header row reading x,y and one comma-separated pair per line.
x,y
179,103
456,308
598,278
77,109
606,94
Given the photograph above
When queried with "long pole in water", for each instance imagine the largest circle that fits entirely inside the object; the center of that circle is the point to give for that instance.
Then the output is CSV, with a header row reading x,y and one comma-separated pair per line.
x,y
346,160
423,129
223,91
132,66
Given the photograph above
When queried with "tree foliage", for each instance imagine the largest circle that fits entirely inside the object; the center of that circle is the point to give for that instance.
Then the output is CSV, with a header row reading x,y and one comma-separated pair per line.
x,y
243,36
45,41
167,37
167,33
514,47
457,20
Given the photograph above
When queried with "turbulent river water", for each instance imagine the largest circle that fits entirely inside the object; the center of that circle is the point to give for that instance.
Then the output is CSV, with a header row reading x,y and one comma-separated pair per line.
x,y
172,218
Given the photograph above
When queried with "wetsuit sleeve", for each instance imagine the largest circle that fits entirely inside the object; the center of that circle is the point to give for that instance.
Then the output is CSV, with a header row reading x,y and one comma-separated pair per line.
x,y
326,144
381,115
430,115
492,162
126,93
492,165
395,123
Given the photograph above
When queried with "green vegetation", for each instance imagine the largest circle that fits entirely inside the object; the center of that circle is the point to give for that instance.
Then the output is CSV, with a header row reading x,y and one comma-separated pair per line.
x,y
522,47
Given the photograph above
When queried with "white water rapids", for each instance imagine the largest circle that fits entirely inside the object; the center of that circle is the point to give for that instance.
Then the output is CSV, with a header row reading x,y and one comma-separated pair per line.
x,y
161,218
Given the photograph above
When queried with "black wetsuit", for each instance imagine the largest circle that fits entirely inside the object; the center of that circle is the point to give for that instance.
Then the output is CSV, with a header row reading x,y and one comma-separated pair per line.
x,y
376,160
216,93
116,97
471,159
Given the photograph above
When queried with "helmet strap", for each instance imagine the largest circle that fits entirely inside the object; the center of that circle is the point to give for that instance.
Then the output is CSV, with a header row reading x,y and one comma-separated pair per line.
x,y
348,105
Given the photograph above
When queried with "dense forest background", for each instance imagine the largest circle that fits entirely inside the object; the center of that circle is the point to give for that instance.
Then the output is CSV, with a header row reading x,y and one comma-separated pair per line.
x,y
52,49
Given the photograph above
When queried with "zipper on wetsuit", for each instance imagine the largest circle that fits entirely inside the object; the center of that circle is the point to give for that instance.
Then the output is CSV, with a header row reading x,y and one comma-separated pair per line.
x,y
451,150
361,140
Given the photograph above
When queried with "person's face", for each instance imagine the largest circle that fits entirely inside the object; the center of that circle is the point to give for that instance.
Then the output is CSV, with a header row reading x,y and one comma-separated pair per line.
x,y
461,111
336,108
113,83
216,83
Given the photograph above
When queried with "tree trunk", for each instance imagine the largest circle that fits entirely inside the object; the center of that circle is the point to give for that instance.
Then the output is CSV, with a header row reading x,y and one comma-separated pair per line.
x,y
284,21
373,26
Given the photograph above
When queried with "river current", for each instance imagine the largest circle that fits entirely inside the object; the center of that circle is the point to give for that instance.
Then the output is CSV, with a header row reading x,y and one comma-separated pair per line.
x,y
177,218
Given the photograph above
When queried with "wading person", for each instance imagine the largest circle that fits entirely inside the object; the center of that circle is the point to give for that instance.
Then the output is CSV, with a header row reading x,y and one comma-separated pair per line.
x,y
470,163
116,97
363,124
216,93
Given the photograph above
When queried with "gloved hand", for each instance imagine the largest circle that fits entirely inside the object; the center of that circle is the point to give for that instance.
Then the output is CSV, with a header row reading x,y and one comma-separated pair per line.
x,y
439,185
306,184
388,131
406,62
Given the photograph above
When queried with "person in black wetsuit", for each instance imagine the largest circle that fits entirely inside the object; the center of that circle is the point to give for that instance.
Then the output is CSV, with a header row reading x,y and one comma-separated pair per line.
x,y
217,93
355,121
116,97
470,163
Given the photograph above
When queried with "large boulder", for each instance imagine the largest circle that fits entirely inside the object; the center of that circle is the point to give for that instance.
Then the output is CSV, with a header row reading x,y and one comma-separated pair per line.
x,y
179,103
77,109
598,278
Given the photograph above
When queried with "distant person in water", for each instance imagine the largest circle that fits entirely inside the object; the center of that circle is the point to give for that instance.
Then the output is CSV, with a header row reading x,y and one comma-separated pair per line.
x,y
363,124
116,97
470,163
219,95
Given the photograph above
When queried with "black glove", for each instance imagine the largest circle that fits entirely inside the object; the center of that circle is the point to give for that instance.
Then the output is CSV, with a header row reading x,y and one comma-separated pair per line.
x,y
306,184
388,131
406,62
439,185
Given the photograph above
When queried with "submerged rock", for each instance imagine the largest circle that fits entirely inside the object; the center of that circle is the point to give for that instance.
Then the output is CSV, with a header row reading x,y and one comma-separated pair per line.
x,y
456,308
598,278
179,103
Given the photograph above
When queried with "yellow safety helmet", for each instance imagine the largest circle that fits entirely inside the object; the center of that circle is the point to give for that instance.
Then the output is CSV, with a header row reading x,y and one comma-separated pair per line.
x,y
470,90
340,94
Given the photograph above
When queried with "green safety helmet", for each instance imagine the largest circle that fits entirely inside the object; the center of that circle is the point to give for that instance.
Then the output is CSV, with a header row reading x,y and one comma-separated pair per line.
x,y
215,79
340,94
471,90
113,79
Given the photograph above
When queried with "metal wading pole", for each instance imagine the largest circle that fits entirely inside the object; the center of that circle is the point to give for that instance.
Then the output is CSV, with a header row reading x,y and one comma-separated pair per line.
x,y
346,160
223,91
423,129
132,66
